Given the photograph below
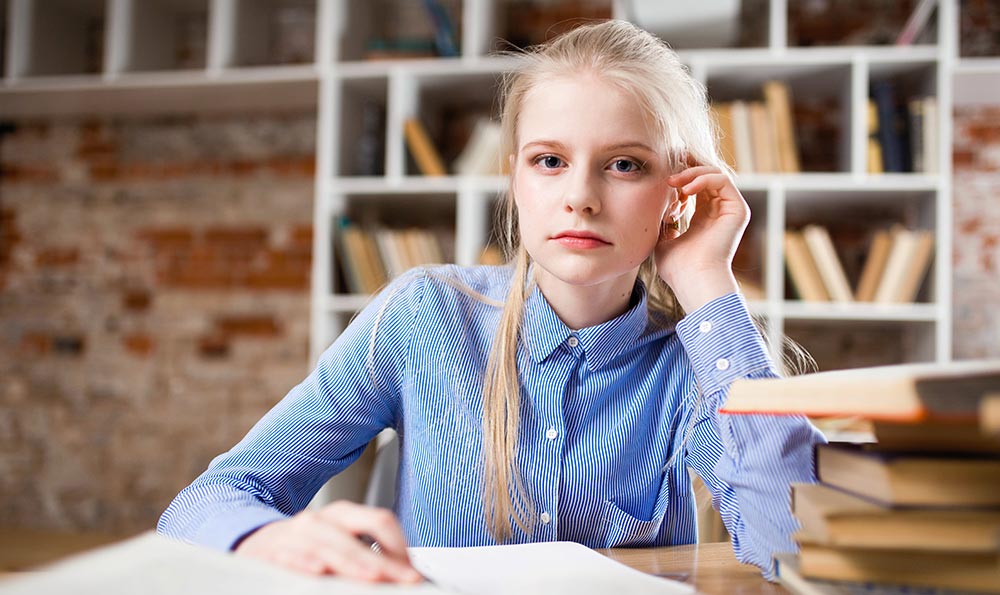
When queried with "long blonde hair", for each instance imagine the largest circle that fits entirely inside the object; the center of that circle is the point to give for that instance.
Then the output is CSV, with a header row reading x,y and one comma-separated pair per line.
x,y
636,61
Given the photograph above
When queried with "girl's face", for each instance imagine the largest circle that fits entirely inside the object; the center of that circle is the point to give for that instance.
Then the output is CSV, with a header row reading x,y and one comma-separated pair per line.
x,y
589,184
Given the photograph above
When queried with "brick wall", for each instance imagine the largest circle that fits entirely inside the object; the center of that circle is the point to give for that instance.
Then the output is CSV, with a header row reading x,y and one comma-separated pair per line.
x,y
976,191
154,303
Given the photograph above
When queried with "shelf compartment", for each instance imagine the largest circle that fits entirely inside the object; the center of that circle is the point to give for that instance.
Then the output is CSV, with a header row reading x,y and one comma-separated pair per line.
x,y
820,96
819,24
523,23
398,30
842,343
900,93
362,127
449,106
271,33
56,37
852,219
391,216
166,35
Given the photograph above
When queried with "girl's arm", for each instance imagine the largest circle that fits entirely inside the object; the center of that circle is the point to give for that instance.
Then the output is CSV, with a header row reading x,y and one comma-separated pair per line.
x,y
747,461
316,431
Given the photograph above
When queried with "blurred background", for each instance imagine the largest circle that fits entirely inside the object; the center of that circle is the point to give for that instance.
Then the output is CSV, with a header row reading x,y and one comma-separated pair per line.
x,y
182,186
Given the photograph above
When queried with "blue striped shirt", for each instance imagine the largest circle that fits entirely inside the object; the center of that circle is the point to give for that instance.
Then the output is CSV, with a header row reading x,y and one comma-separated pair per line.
x,y
612,418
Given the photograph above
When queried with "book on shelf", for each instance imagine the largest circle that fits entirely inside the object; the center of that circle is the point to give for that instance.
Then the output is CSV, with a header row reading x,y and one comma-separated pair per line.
x,y
445,39
906,265
481,154
834,517
904,393
802,269
898,478
891,127
722,114
777,97
360,260
875,165
917,22
831,271
424,153
765,153
742,140
758,136
874,267
904,130
989,415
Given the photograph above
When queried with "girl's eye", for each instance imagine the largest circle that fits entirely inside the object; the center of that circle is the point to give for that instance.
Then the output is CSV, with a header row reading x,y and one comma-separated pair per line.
x,y
625,166
549,161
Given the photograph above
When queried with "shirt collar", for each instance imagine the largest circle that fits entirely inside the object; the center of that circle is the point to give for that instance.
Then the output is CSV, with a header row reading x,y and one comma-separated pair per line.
x,y
544,331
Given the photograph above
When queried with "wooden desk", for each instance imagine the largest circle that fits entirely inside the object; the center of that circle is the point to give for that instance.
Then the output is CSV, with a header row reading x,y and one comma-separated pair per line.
x,y
711,568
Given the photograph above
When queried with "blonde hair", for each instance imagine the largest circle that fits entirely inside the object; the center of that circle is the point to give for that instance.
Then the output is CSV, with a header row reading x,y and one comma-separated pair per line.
x,y
618,53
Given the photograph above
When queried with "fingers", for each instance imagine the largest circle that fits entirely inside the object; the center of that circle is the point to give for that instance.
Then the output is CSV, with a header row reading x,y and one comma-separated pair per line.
x,y
327,542
378,523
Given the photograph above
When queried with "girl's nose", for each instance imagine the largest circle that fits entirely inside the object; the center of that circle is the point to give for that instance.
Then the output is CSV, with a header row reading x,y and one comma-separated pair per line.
x,y
582,192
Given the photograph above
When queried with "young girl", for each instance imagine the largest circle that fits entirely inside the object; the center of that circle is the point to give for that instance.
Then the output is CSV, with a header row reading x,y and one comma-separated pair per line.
x,y
562,397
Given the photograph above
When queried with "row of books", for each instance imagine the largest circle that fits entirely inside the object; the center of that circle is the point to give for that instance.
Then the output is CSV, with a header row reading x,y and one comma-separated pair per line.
x,y
759,136
902,136
917,506
479,157
369,257
414,29
897,262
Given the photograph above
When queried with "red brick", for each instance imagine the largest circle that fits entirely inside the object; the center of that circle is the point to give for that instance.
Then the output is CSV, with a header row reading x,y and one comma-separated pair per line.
x,y
252,325
246,237
302,235
33,343
983,133
139,344
57,257
136,300
167,237
213,347
962,158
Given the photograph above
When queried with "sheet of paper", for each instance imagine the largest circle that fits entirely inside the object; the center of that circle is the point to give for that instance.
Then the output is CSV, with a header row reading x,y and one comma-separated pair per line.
x,y
154,565
550,568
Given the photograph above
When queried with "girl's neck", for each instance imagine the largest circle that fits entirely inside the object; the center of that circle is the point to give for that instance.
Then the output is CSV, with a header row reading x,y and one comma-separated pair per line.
x,y
583,306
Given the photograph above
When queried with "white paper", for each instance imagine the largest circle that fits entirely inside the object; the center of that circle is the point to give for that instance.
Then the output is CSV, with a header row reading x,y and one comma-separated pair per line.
x,y
549,567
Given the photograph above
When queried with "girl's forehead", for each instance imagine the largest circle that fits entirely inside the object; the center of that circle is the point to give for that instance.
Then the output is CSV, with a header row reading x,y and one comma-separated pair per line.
x,y
585,106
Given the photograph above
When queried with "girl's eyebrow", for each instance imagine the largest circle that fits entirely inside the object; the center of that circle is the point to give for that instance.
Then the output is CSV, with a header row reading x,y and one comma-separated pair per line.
x,y
613,147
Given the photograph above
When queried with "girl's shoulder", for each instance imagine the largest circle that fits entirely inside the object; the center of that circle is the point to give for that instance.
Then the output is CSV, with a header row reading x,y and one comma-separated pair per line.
x,y
487,284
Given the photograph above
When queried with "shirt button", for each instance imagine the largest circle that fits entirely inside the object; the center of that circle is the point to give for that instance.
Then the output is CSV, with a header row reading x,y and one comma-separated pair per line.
x,y
705,326
545,518
722,364
573,342
551,434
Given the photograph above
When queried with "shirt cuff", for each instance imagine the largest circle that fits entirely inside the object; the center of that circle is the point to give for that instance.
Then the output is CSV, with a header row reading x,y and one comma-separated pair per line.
x,y
226,529
723,343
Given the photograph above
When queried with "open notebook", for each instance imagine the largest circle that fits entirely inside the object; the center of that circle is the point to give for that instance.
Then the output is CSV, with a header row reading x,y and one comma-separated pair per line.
x,y
151,564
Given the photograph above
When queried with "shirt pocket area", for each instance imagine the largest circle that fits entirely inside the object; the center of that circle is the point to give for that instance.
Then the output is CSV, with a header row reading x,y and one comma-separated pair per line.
x,y
624,530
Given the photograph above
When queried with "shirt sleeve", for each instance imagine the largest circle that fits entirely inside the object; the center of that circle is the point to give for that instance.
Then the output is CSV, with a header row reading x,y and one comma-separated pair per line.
x,y
316,431
747,461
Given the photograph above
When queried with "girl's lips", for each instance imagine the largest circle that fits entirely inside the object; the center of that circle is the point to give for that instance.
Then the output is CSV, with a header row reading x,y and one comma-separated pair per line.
x,y
580,240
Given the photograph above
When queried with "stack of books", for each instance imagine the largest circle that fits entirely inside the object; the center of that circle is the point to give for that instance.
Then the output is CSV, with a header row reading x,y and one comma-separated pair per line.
x,y
916,506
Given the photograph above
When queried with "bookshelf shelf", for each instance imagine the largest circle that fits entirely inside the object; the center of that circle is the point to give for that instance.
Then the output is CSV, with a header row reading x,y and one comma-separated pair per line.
x,y
796,310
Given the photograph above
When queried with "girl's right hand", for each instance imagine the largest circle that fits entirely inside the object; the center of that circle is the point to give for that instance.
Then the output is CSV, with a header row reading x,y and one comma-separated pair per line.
x,y
330,541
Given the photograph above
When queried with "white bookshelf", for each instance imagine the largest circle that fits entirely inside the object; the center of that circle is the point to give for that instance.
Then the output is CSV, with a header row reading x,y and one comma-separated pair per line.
x,y
225,68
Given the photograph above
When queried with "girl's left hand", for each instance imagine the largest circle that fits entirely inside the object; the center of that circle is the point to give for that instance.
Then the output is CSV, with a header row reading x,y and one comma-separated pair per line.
x,y
698,264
